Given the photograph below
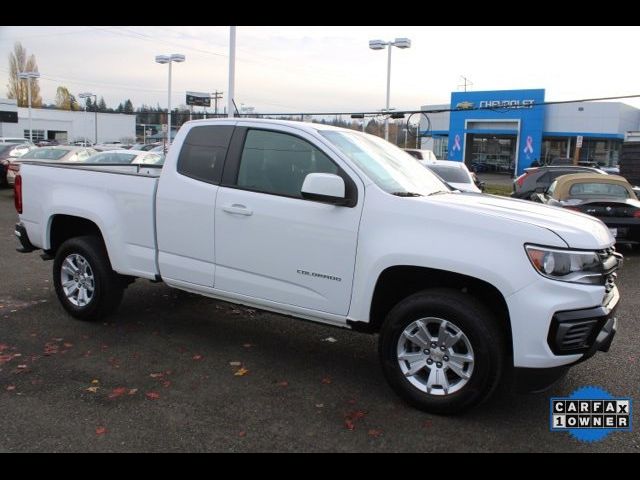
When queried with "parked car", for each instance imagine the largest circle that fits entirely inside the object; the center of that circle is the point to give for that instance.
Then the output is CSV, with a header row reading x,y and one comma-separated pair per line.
x,y
47,143
455,174
7,151
339,227
538,179
145,147
13,140
611,170
125,157
610,198
65,153
422,155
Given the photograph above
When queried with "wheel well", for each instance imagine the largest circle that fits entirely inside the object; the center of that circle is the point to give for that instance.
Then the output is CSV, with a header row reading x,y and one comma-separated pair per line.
x,y
64,227
397,283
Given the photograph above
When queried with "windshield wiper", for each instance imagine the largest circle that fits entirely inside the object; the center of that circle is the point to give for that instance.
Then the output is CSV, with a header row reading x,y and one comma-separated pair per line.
x,y
438,192
406,194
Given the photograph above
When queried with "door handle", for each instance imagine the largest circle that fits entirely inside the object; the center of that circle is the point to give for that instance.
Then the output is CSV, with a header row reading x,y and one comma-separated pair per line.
x,y
237,209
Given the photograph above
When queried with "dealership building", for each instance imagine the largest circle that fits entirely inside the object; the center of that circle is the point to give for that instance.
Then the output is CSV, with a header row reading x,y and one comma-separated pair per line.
x,y
505,131
64,125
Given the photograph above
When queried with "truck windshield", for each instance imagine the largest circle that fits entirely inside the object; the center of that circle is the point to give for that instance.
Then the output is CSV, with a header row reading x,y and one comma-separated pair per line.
x,y
392,169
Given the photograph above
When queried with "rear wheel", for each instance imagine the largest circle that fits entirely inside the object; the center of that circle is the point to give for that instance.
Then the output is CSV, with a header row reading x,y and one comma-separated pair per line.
x,y
84,281
442,351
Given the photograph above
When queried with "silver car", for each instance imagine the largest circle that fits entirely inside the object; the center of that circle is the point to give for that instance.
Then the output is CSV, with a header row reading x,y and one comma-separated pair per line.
x,y
63,153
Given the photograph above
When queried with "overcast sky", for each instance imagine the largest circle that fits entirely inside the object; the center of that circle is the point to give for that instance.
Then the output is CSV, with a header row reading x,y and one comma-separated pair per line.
x,y
286,69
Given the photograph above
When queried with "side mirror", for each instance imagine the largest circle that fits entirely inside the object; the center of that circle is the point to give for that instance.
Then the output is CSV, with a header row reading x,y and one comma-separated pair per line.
x,y
482,186
324,187
540,189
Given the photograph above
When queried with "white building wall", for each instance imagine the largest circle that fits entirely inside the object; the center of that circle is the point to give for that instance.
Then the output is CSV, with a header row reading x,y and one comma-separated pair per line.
x,y
596,117
79,125
439,121
9,129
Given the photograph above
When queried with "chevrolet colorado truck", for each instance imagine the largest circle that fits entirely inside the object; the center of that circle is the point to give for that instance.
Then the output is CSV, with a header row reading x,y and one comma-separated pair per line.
x,y
335,226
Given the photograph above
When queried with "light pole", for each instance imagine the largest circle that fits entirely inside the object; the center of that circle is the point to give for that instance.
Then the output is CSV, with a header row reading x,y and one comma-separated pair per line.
x,y
28,76
232,69
174,57
95,108
380,45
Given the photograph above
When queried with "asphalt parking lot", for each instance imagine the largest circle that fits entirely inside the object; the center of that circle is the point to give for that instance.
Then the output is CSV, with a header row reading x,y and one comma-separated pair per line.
x,y
177,372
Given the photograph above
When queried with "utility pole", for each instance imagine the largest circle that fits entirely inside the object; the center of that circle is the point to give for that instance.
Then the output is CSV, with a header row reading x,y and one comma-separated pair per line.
x,y
216,96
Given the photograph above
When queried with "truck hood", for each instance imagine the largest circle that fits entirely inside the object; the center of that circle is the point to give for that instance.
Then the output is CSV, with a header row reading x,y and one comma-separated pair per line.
x,y
576,229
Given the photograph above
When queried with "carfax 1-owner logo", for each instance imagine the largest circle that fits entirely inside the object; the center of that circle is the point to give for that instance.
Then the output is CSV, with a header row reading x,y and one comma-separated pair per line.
x,y
590,414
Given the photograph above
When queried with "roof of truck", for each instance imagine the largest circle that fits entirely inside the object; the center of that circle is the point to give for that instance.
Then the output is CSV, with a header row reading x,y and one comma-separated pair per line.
x,y
308,126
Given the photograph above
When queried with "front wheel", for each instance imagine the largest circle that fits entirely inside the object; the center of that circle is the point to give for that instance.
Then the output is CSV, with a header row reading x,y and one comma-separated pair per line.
x,y
85,284
441,351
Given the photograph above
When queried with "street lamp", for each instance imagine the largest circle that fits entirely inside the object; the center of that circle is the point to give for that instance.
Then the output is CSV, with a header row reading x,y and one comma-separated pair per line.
x,y
380,45
95,108
174,57
28,76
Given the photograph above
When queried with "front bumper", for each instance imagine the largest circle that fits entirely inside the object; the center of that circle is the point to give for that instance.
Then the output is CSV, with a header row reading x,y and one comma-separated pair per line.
x,y
543,314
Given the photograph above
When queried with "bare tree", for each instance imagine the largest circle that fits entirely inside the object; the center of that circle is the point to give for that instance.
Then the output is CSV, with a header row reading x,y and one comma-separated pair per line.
x,y
16,88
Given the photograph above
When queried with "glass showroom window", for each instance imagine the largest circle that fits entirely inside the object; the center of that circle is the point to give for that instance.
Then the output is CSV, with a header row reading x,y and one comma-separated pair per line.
x,y
37,135
441,147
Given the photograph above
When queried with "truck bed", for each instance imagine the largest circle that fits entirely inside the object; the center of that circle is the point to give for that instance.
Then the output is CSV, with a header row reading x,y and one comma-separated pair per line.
x,y
119,199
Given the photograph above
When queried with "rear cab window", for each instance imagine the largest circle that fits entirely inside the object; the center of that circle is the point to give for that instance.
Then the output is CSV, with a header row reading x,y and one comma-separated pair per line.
x,y
203,152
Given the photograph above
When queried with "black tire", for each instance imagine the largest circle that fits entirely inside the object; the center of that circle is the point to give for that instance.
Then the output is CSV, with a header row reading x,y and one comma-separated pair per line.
x,y
471,317
108,285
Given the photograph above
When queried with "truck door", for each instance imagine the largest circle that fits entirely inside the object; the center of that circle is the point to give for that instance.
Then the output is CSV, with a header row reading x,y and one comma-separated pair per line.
x,y
272,244
185,204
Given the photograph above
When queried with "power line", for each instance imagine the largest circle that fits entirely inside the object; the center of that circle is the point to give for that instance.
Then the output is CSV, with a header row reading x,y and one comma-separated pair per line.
x,y
445,110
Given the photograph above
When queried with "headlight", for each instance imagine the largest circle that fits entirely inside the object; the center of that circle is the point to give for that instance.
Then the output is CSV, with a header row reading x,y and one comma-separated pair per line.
x,y
566,265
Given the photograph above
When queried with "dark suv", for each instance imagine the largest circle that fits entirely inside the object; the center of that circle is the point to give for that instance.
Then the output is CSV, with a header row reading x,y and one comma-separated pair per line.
x,y
538,179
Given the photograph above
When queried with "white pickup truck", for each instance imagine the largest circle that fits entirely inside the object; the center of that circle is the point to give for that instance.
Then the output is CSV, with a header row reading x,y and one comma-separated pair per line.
x,y
343,228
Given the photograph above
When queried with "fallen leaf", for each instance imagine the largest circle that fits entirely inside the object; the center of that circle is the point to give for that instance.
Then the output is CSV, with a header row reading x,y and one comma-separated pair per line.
x,y
22,366
5,358
152,395
92,389
326,380
375,433
58,339
248,345
17,355
67,344
283,383
95,382
330,340
101,430
166,383
197,357
242,434
351,418
117,392
319,405
235,364
241,372
156,375
11,388
133,391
